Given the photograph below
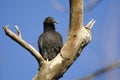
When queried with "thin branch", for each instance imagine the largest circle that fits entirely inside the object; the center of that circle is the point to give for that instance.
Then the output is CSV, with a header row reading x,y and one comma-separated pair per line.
x,y
90,24
101,71
58,6
18,31
23,43
92,4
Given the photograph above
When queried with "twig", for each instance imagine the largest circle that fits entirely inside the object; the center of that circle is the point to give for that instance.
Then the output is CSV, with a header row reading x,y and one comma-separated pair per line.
x,y
18,31
101,71
90,24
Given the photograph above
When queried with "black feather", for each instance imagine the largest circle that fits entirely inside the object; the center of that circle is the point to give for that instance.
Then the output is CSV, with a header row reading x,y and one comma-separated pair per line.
x,y
50,42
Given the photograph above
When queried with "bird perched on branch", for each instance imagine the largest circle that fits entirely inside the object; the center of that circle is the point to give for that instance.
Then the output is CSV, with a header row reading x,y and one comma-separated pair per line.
x,y
50,41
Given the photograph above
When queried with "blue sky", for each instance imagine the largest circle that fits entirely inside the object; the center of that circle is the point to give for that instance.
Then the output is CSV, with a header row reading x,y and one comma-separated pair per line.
x,y
16,63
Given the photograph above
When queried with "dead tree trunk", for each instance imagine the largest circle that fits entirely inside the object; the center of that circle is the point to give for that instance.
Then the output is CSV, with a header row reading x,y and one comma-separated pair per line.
x,y
78,37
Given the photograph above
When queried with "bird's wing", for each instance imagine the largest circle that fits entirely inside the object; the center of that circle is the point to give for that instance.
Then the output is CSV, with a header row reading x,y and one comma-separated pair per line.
x,y
40,43
50,44
58,41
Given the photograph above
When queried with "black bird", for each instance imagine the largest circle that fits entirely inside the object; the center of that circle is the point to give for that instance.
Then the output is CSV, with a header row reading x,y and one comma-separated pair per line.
x,y
50,41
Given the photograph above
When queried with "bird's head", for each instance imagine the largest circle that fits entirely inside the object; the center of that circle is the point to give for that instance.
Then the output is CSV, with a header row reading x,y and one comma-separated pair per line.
x,y
50,20
49,24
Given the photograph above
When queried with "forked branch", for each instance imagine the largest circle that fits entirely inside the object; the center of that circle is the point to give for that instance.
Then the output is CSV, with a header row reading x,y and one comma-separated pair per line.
x,y
23,43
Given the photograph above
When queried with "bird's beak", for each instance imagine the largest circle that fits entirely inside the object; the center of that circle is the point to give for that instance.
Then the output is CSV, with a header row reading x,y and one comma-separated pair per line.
x,y
55,21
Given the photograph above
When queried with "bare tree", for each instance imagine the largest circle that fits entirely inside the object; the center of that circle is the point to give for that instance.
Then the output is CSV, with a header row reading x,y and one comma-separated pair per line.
x,y
78,37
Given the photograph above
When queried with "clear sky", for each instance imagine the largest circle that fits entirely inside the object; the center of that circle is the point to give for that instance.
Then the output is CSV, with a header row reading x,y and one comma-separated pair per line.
x,y
16,63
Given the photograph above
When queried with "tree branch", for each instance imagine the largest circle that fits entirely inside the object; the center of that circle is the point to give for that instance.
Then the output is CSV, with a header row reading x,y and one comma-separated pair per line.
x,y
23,43
76,16
101,71
90,24
18,31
